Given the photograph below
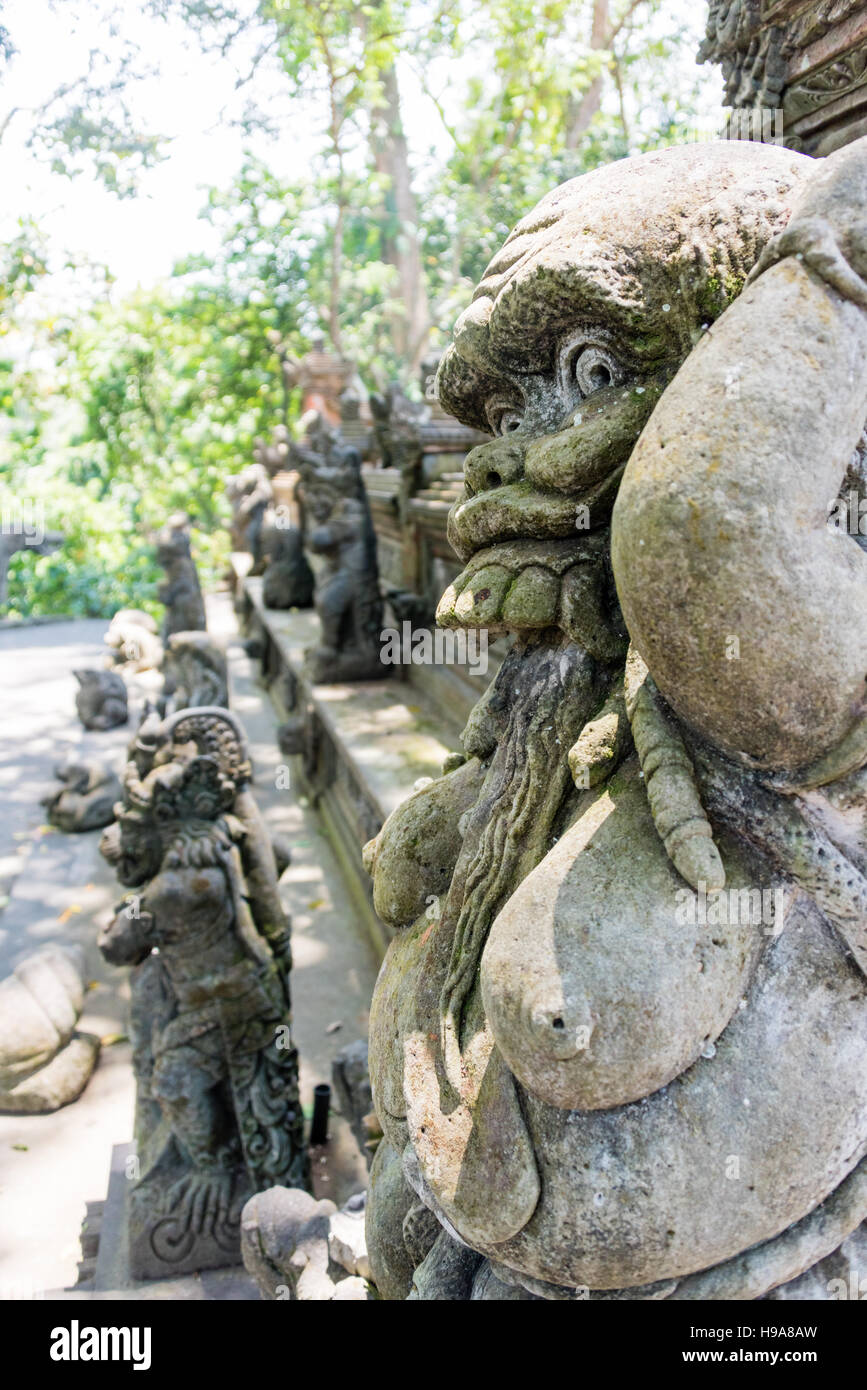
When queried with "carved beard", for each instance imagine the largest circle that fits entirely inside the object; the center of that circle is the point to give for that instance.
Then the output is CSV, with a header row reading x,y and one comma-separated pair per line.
x,y
546,690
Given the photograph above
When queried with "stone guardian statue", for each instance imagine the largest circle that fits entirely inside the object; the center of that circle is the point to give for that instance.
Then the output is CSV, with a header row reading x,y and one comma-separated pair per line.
x,y
618,1046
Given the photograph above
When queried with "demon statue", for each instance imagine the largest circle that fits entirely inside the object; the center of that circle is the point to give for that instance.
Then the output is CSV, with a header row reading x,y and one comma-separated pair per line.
x,y
397,425
618,1046
180,591
218,1115
340,531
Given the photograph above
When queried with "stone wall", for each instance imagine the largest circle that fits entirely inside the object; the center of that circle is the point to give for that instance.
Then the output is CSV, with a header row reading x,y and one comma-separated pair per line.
x,y
808,61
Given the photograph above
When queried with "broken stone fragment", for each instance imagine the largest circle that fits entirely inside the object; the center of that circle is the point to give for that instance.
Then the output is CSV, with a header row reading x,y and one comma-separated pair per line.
x,y
300,1249
347,1244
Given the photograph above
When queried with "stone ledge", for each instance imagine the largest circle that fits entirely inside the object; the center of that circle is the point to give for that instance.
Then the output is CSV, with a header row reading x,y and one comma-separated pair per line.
x,y
365,744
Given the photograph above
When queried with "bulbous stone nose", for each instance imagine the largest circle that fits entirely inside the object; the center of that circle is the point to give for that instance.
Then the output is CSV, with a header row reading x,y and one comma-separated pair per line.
x,y
493,465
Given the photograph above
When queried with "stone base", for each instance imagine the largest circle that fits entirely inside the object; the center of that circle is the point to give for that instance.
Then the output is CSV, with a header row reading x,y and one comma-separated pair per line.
x,y
105,1267
161,1248
327,668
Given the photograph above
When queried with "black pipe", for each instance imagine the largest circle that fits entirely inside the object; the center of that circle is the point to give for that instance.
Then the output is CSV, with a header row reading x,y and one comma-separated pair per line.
x,y
321,1106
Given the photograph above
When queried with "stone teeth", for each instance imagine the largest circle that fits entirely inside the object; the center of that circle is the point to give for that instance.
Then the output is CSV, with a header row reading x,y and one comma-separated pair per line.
x,y
481,599
532,600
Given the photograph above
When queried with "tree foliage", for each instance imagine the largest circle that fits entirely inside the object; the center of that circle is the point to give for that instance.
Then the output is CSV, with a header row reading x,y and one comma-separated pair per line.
x,y
131,408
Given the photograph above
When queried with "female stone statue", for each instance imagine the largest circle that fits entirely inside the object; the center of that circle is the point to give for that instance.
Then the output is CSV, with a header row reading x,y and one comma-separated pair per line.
x,y
218,1114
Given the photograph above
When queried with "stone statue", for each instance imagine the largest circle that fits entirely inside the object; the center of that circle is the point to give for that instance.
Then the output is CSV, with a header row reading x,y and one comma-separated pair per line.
x,y
101,699
273,455
250,496
288,581
218,1115
194,672
180,591
44,1061
86,798
339,529
354,430
133,641
397,425
799,79
618,1046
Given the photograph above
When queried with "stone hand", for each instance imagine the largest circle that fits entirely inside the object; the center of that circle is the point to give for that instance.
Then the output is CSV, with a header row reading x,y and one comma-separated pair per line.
x,y
828,227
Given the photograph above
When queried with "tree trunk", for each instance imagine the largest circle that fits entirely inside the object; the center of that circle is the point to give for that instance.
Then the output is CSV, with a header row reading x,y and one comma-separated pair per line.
x,y
401,240
582,112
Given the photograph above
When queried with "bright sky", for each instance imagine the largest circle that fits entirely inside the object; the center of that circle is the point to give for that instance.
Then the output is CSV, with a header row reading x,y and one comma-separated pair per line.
x,y
140,238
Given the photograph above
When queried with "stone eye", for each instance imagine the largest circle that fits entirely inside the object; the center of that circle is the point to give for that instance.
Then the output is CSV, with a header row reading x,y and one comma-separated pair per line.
x,y
505,420
592,369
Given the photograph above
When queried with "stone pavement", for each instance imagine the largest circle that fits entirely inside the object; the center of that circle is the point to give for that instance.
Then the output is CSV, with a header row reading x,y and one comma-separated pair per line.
x,y
58,886
59,889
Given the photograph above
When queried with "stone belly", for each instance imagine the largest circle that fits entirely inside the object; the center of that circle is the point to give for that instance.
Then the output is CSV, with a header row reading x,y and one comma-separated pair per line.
x,y
748,1138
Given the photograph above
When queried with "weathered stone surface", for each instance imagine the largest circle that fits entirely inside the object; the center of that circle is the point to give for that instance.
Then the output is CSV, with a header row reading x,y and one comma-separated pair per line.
x,y
659,879
59,1082
392,1258
101,699
413,867
446,1272
218,1113
44,1063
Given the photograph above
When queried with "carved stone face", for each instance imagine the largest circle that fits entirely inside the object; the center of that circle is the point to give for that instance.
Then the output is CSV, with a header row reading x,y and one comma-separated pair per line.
x,y
132,846
575,330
